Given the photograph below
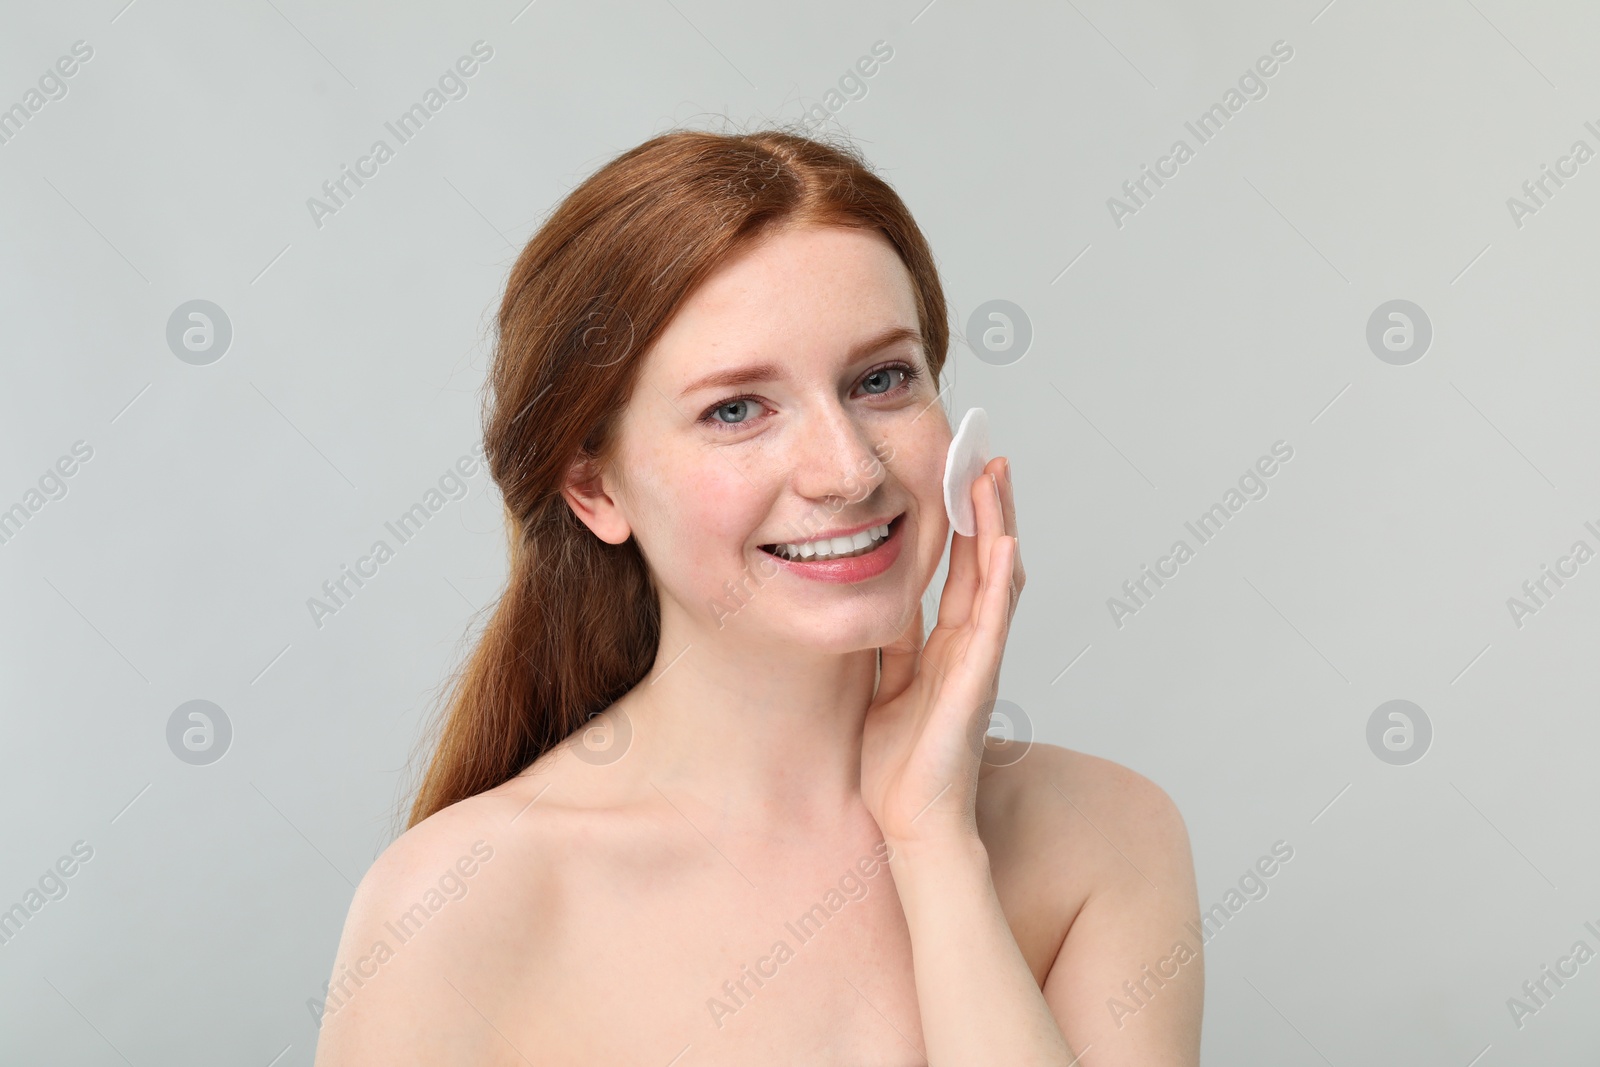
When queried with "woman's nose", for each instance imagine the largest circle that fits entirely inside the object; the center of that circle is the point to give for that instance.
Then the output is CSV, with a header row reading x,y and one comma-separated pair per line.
x,y
838,458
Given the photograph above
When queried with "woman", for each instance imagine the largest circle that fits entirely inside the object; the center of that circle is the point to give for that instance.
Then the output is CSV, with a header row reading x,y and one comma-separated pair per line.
x,y
677,813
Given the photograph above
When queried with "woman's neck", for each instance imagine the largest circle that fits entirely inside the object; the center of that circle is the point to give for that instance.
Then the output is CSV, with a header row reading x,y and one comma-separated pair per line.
x,y
766,737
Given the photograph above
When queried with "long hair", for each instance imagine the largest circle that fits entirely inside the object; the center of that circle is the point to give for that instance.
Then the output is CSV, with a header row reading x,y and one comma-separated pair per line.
x,y
578,623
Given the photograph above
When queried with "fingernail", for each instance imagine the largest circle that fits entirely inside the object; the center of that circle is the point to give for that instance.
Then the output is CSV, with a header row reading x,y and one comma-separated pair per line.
x,y
1007,470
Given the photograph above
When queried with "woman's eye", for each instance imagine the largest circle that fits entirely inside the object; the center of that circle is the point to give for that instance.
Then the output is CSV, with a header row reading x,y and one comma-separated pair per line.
x,y
738,412
880,375
908,374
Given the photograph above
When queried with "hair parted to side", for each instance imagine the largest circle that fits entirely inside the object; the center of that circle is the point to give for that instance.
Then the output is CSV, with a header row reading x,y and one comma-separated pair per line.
x,y
578,623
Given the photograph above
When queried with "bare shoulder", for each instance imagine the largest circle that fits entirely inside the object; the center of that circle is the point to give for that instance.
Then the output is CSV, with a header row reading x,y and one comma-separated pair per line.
x,y
1105,855
1041,793
462,843
436,912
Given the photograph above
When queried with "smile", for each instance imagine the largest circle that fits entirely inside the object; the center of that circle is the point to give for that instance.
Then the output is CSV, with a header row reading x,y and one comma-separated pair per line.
x,y
829,548
856,557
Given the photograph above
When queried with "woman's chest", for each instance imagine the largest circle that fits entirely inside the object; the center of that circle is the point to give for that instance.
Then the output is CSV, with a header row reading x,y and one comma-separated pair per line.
x,y
779,961
804,961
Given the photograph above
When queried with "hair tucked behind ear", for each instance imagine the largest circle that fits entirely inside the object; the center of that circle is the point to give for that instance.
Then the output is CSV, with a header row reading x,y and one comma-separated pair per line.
x,y
578,623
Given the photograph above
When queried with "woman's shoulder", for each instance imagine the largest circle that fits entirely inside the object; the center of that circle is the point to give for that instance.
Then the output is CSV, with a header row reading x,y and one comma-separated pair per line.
x,y
557,813
528,814
1048,801
485,820
485,825
443,904
1018,769
1067,831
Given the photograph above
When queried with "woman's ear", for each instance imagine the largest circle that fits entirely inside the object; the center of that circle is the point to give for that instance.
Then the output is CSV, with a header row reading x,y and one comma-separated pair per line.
x,y
594,504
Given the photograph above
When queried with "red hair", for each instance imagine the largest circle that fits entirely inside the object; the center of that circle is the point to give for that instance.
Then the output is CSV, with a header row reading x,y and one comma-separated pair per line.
x,y
578,623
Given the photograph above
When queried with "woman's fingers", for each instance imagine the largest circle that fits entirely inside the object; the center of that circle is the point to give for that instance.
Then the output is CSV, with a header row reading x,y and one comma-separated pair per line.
x,y
991,521
1009,508
961,581
999,599
993,622
993,603
970,556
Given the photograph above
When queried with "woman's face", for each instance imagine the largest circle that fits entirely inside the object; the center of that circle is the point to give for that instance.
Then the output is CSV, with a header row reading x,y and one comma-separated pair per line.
x,y
789,399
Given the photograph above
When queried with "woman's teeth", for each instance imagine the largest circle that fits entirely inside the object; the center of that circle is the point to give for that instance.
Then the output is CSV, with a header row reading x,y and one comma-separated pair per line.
x,y
833,547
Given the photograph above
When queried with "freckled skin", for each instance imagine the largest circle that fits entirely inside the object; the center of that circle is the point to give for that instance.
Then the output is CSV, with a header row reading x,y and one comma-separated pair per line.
x,y
700,499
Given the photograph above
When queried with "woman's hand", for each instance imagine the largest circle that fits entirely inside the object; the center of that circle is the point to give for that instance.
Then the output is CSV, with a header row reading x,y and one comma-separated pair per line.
x,y
922,743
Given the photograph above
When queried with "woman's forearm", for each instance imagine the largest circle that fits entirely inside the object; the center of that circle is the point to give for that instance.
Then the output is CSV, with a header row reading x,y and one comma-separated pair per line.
x,y
979,1001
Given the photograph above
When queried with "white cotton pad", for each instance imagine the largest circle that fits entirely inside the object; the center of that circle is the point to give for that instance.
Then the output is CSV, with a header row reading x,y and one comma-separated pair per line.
x,y
968,455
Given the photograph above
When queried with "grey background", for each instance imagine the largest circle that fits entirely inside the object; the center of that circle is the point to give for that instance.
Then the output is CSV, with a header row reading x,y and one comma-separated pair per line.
x,y
1167,355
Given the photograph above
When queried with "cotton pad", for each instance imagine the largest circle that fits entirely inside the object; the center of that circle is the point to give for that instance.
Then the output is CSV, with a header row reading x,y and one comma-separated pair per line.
x,y
968,455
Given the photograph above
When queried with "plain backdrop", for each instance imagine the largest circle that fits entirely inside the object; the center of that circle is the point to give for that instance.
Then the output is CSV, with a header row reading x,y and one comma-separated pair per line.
x,y
1173,342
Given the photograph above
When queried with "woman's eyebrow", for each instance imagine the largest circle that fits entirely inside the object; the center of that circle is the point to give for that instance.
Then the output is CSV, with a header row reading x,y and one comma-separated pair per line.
x,y
766,372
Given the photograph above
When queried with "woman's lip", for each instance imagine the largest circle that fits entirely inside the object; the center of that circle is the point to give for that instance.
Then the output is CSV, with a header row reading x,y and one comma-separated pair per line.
x,y
855,568
843,531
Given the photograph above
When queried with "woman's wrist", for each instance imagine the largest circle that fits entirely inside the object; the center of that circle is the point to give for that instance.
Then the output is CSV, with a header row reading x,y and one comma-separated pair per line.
x,y
929,867
941,849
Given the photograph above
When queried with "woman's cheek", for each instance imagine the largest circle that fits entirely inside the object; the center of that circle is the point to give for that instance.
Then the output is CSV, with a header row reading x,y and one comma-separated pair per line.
x,y
927,452
931,453
714,524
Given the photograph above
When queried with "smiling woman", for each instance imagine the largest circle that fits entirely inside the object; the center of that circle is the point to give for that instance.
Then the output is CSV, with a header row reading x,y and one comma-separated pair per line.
x,y
718,357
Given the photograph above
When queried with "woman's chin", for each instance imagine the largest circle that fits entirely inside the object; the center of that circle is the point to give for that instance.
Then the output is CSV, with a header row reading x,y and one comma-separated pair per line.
x,y
866,625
